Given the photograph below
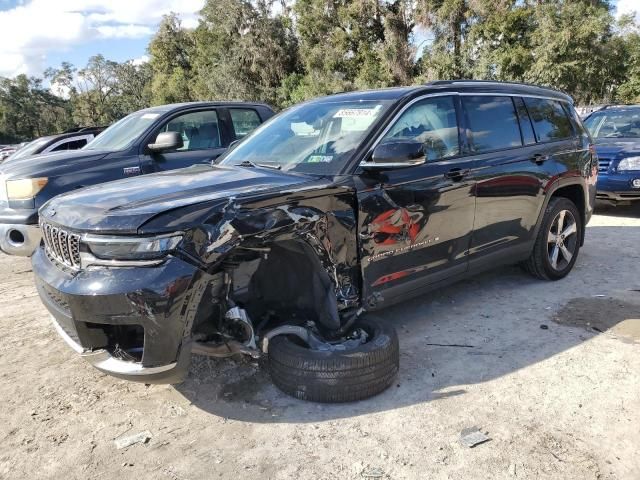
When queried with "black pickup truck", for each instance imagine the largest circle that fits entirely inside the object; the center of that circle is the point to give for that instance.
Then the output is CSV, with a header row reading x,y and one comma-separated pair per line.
x,y
334,208
151,140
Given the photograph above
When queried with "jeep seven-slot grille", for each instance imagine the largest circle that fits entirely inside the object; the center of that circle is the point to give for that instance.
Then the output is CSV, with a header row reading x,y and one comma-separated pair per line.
x,y
62,246
603,164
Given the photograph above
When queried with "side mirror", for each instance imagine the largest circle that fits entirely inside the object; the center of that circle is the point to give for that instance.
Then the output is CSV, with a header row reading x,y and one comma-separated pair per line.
x,y
396,154
166,141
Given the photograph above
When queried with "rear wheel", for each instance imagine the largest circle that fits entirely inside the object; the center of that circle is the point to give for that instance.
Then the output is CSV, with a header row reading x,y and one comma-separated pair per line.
x,y
558,242
337,375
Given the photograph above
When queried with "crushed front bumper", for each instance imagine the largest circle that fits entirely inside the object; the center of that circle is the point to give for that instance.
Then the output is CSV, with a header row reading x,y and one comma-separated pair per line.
x,y
132,323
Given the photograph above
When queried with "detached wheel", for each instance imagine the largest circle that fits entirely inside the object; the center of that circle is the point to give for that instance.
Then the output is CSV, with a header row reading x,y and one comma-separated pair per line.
x,y
558,243
336,376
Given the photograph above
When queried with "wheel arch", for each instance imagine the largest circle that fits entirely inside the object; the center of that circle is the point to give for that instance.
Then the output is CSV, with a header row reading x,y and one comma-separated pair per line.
x,y
573,190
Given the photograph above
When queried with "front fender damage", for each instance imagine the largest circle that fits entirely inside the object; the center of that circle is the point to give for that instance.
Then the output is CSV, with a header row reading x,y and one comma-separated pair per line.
x,y
283,264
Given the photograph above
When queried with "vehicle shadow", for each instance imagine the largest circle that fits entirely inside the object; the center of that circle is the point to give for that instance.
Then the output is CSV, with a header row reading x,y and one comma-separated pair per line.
x,y
632,211
468,333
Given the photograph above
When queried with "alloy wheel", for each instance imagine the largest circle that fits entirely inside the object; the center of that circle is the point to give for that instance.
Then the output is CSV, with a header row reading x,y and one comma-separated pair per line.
x,y
562,240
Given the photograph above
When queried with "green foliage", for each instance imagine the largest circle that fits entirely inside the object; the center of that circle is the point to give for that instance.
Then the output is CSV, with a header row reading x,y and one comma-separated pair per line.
x,y
171,51
294,50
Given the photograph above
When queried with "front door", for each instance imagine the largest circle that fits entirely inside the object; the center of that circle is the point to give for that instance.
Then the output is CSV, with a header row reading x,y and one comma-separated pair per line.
x,y
415,223
203,137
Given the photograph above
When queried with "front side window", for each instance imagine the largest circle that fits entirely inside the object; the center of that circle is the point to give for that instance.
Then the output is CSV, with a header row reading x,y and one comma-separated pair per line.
x,y
318,138
550,121
493,123
614,124
433,122
244,121
199,130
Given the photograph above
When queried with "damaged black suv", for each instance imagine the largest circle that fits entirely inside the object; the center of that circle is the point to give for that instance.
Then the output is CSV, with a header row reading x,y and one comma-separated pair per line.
x,y
335,208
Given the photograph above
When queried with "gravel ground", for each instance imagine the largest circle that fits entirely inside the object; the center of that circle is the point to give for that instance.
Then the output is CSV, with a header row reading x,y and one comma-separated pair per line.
x,y
549,371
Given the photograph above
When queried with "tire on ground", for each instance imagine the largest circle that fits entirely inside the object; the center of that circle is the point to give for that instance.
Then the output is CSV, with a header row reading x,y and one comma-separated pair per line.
x,y
337,376
538,263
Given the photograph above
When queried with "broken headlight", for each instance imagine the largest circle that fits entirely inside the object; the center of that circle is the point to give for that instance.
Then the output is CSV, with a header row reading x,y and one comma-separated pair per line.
x,y
113,250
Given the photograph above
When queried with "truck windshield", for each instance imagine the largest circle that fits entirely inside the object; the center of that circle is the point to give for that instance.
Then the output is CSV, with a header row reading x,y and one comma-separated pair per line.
x,y
318,137
28,149
614,123
123,133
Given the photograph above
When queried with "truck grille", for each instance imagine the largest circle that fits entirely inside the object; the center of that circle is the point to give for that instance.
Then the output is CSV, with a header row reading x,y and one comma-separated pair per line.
x,y
62,246
603,164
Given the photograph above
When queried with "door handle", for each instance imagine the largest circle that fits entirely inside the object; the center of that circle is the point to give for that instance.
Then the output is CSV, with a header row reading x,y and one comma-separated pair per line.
x,y
457,174
540,158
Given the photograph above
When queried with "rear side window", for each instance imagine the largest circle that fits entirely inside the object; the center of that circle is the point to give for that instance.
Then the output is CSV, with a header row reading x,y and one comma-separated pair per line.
x,y
72,145
549,119
493,123
244,121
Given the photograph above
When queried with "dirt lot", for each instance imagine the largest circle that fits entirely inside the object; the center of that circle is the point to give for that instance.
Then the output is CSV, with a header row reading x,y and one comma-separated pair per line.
x,y
550,371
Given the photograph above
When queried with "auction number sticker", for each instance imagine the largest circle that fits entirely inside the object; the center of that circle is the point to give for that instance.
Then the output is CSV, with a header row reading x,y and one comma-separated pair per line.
x,y
357,112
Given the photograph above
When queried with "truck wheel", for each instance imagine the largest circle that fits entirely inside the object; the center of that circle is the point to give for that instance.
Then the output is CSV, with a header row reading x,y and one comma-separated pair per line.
x,y
336,376
558,242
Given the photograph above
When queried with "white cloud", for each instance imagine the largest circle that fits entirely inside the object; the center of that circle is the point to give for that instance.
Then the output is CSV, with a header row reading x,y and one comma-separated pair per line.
x,y
624,7
36,27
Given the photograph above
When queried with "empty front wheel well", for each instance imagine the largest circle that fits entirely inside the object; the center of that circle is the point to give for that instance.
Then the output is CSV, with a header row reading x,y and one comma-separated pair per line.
x,y
576,194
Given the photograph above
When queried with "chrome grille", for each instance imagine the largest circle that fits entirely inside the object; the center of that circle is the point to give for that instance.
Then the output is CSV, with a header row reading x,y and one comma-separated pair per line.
x,y
603,164
61,245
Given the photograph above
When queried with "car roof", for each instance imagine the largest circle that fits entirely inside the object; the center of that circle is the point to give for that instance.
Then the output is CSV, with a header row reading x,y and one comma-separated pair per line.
x,y
462,86
179,106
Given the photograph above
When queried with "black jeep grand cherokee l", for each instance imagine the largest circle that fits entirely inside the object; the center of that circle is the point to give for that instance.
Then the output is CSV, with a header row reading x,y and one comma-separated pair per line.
x,y
336,207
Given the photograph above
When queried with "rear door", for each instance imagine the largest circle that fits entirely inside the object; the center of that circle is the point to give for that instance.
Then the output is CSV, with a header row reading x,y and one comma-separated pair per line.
x,y
514,170
204,134
415,223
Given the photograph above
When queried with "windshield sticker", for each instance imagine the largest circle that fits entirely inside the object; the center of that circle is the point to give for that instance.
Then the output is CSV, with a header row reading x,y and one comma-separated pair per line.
x,y
150,116
357,112
320,159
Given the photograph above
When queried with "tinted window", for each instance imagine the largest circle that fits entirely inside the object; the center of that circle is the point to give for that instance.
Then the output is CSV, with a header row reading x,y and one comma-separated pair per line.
x,y
493,123
432,122
244,121
549,119
526,128
199,130
74,145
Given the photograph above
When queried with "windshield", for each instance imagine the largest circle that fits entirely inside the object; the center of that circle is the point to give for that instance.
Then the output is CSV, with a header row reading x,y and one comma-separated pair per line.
x,y
317,138
613,124
122,133
29,149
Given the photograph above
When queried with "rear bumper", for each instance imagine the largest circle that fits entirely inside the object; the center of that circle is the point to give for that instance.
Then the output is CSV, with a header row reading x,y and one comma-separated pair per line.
x,y
132,323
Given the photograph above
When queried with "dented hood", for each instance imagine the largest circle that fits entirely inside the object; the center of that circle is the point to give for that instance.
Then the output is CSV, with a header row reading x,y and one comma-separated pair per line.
x,y
124,206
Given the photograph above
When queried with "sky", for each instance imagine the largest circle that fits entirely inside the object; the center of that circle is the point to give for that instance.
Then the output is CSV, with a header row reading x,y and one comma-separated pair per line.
x,y
37,34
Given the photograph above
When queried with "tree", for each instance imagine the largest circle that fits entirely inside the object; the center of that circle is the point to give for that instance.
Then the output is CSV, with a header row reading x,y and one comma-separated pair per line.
x,y
27,110
171,51
627,49
243,51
